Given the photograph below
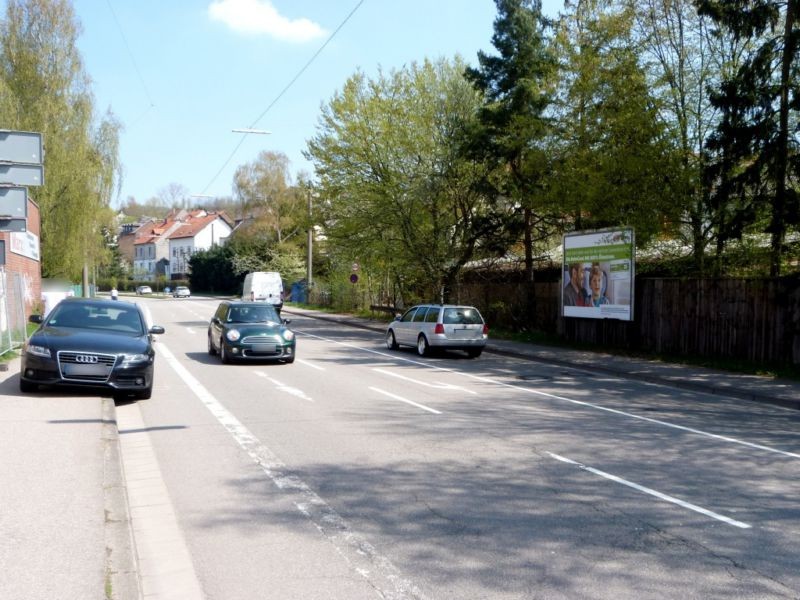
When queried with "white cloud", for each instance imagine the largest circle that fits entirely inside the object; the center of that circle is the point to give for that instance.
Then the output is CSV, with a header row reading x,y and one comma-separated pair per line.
x,y
259,16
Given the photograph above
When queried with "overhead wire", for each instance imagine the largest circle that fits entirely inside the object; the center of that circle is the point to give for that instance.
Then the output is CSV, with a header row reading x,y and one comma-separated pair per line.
x,y
133,60
282,92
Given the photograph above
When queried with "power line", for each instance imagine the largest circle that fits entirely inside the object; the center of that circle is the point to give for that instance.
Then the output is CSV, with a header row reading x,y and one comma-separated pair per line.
x,y
130,54
282,92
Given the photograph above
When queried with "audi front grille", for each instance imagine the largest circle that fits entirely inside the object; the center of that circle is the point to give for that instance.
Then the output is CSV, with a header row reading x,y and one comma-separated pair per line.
x,y
86,366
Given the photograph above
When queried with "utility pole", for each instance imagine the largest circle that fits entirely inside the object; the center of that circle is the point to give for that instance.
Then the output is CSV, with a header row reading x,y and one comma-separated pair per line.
x,y
309,258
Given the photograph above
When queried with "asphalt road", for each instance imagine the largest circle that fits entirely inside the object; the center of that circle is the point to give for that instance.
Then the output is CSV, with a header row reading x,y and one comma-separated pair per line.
x,y
359,472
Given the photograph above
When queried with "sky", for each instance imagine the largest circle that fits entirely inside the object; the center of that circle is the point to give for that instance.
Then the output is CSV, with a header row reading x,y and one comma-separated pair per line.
x,y
180,75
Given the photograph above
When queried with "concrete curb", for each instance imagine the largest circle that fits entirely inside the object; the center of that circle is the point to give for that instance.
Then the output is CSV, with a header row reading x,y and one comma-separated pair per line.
x,y
121,569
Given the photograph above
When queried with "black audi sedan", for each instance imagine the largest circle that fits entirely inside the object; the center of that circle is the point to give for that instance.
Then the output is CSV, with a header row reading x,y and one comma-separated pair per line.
x,y
250,331
91,343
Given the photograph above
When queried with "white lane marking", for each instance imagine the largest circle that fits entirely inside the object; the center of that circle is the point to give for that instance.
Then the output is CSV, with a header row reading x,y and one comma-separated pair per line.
x,y
401,399
310,364
481,378
437,386
362,556
653,492
284,388
190,330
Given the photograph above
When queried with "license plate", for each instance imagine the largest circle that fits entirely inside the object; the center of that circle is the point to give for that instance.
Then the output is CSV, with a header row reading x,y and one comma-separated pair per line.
x,y
464,334
85,370
264,347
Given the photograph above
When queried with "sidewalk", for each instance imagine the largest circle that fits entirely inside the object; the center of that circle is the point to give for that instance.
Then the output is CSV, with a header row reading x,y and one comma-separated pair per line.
x,y
64,530
781,392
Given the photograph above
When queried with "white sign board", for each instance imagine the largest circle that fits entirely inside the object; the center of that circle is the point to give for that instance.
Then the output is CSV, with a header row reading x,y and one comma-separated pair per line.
x,y
25,244
21,147
598,274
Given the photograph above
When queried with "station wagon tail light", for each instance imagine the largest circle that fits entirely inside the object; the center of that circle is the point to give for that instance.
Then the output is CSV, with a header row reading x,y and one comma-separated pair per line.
x,y
485,329
439,329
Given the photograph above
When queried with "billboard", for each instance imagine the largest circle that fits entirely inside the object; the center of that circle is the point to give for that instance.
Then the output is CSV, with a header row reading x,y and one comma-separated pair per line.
x,y
597,274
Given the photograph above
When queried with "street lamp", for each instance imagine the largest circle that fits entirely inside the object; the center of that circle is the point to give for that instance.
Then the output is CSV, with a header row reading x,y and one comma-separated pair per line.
x,y
250,130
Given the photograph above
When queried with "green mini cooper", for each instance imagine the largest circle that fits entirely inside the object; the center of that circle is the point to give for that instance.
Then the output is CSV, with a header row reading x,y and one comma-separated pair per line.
x,y
250,331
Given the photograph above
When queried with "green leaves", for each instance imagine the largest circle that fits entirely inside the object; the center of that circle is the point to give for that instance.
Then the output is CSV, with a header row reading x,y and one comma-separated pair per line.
x,y
44,88
396,195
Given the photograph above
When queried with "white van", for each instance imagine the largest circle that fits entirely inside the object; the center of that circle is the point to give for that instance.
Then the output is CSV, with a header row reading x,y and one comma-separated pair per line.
x,y
263,286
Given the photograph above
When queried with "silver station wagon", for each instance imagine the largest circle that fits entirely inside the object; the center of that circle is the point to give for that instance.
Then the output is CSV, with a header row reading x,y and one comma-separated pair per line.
x,y
439,326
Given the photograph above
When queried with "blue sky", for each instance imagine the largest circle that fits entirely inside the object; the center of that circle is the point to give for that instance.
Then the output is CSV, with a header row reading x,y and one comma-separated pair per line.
x,y
181,74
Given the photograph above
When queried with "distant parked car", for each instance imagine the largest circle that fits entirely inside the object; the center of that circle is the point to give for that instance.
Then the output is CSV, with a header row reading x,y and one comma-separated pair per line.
x,y
250,331
439,326
143,289
181,291
91,343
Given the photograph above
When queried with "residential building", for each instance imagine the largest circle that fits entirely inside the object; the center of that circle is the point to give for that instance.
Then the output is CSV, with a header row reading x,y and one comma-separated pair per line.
x,y
199,231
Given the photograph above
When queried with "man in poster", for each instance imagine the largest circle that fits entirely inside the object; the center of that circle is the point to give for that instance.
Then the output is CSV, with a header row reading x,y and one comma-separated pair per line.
x,y
574,292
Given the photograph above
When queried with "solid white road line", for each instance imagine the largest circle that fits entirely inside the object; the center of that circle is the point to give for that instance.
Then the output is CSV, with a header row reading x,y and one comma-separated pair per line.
x,y
483,379
360,554
653,492
401,399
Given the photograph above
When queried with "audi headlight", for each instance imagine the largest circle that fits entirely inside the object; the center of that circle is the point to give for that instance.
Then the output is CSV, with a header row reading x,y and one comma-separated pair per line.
x,y
233,335
132,359
288,335
39,350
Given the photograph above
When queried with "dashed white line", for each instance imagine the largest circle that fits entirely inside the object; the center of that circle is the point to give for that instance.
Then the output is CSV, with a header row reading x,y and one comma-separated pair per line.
x,y
284,388
653,492
481,378
407,401
437,386
310,364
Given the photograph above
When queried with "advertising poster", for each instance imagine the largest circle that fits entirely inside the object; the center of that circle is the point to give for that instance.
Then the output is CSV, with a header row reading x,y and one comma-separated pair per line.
x,y
598,274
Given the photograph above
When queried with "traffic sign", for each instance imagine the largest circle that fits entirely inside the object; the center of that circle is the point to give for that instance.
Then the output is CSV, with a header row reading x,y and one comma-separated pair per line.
x,y
20,147
18,174
13,203
14,225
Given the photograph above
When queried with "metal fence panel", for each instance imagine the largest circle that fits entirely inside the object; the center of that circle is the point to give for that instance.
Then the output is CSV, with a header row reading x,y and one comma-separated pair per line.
x,y
13,327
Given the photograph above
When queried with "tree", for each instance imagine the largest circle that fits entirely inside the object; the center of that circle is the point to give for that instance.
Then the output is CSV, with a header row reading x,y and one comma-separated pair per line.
x,y
614,164
267,196
212,271
395,194
45,89
516,85
754,148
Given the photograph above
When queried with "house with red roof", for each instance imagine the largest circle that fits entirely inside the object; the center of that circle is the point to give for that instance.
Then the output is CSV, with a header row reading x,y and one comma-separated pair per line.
x,y
199,231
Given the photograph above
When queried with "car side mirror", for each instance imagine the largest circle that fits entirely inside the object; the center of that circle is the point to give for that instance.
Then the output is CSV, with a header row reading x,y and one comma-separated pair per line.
x,y
156,329
215,320
398,316
287,321
35,318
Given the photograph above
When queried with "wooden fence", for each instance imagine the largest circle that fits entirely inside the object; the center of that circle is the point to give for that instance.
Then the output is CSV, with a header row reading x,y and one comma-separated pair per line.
x,y
744,319
754,320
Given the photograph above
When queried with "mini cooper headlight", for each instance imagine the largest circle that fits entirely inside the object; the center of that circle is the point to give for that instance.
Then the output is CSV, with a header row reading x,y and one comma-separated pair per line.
x,y
288,335
38,350
233,335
